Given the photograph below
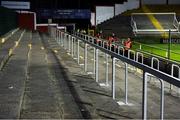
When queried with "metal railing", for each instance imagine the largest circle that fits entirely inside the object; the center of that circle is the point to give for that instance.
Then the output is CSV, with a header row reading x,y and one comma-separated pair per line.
x,y
69,41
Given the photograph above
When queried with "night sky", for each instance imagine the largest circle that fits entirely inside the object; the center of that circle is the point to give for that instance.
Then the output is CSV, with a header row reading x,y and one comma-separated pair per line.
x,y
72,3
68,4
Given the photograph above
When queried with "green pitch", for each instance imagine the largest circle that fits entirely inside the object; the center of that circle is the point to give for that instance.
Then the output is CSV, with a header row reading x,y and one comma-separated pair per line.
x,y
153,46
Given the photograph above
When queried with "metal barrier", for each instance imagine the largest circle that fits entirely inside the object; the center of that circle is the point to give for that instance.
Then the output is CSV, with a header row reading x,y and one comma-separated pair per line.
x,y
172,73
138,54
161,84
147,70
145,82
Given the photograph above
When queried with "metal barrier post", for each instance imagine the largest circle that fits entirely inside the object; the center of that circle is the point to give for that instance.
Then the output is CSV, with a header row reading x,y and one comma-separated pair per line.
x,y
94,60
137,56
59,37
145,79
144,96
137,60
66,40
152,63
57,32
69,47
97,66
121,48
107,69
85,57
113,78
63,40
72,46
78,51
75,48
126,83
162,100
172,73
129,53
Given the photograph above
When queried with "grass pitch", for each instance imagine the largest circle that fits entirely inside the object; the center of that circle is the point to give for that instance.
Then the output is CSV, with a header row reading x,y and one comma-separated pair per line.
x,y
153,46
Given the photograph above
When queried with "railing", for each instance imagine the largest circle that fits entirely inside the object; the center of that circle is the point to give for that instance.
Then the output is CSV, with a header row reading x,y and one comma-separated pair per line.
x,y
69,41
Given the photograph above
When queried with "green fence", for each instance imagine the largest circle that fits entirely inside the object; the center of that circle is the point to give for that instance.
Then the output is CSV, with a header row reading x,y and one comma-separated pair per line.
x,y
8,20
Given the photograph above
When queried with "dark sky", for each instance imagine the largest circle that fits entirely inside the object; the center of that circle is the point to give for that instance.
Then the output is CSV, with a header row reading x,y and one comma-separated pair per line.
x,y
68,4
60,4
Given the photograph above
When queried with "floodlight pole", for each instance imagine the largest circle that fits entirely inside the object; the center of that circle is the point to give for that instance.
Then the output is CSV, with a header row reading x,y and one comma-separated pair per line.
x,y
169,45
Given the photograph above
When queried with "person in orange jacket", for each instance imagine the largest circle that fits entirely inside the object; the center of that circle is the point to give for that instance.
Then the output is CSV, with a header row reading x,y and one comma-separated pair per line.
x,y
99,35
127,44
112,39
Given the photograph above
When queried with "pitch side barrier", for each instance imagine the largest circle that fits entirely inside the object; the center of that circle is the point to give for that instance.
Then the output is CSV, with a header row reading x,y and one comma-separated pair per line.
x,y
166,77
71,42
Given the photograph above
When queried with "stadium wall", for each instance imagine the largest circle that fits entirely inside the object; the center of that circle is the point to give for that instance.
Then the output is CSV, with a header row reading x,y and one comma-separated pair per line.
x,y
27,20
42,28
174,2
160,2
8,20
129,5
104,13
155,2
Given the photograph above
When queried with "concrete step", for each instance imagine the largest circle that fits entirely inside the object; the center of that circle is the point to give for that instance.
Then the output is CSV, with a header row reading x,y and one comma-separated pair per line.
x,y
12,82
96,100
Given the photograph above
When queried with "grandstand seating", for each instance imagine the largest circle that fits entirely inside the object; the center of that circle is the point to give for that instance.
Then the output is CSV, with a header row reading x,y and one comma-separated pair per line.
x,y
120,25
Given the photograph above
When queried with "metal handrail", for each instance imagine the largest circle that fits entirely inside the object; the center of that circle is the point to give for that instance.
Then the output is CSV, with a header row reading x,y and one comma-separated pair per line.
x,y
159,74
147,70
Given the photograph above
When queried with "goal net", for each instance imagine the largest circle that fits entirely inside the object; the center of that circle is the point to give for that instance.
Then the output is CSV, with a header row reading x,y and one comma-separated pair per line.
x,y
154,23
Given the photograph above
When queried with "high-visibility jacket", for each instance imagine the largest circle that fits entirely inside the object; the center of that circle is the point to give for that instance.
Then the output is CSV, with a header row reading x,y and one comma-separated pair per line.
x,y
112,39
128,44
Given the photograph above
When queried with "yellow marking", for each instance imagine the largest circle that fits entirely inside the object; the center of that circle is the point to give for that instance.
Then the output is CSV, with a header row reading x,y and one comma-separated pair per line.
x,y
16,43
10,52
118,65
154,21
81,57
42,48
30,46
55,51
139,71
3,40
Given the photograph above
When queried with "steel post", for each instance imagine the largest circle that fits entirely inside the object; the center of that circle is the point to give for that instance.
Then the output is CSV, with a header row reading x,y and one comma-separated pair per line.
x,y
85,57
113,78
75,48
107,69
69,46
78,51
72,46
144,96
94,60
97,66
162,100
126,83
